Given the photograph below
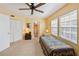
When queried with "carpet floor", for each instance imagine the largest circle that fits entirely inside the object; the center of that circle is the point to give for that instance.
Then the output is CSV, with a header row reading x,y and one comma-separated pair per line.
x,y
23,48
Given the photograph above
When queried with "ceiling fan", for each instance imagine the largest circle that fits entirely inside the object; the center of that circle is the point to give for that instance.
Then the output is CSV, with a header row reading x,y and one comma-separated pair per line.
x,y
33,8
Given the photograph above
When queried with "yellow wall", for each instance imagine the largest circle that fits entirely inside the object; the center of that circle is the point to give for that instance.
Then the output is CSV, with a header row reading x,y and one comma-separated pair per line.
x,y
67,8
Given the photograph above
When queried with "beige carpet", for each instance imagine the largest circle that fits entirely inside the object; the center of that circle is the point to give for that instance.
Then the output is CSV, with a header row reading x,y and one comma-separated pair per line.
x,y
24,48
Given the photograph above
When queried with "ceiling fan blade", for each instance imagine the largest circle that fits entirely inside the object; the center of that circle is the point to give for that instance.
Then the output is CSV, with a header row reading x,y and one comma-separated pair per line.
x,y
40,4
39,11
24,9
27,4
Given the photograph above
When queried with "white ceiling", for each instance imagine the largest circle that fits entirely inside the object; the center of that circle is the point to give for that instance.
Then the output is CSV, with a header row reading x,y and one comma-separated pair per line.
x,y
48,8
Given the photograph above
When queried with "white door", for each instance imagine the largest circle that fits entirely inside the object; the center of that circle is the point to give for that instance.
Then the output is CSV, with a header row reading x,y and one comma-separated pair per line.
x,y
18,30
4,32
16,27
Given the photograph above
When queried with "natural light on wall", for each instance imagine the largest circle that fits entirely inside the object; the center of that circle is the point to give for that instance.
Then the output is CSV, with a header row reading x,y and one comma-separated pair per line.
x,y
68,26
54,26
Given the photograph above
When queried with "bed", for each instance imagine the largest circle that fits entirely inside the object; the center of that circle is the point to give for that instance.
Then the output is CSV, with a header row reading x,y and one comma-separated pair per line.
x,y
53,47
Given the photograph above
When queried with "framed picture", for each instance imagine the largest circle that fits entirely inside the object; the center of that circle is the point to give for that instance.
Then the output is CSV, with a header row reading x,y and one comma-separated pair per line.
x,y
28,25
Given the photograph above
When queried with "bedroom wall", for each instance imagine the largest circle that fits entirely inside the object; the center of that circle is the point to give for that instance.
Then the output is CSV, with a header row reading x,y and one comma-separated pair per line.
x,y
4,32
67,8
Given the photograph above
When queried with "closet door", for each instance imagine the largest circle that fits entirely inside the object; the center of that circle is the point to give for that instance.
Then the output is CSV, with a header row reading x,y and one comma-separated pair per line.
x,y
4,32
16,27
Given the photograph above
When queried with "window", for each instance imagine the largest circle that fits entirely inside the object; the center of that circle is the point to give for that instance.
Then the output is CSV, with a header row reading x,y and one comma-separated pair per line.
x,y
54,25
68,26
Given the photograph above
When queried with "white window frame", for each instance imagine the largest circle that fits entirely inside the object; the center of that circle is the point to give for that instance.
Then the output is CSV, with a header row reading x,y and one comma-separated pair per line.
x,y
54,26
67,21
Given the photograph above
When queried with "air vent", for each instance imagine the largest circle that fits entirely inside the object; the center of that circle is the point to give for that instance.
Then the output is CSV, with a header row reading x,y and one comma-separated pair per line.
x,y
12,15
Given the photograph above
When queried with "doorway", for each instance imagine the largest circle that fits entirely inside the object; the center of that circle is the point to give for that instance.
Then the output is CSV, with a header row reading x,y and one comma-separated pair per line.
x,y
36,29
